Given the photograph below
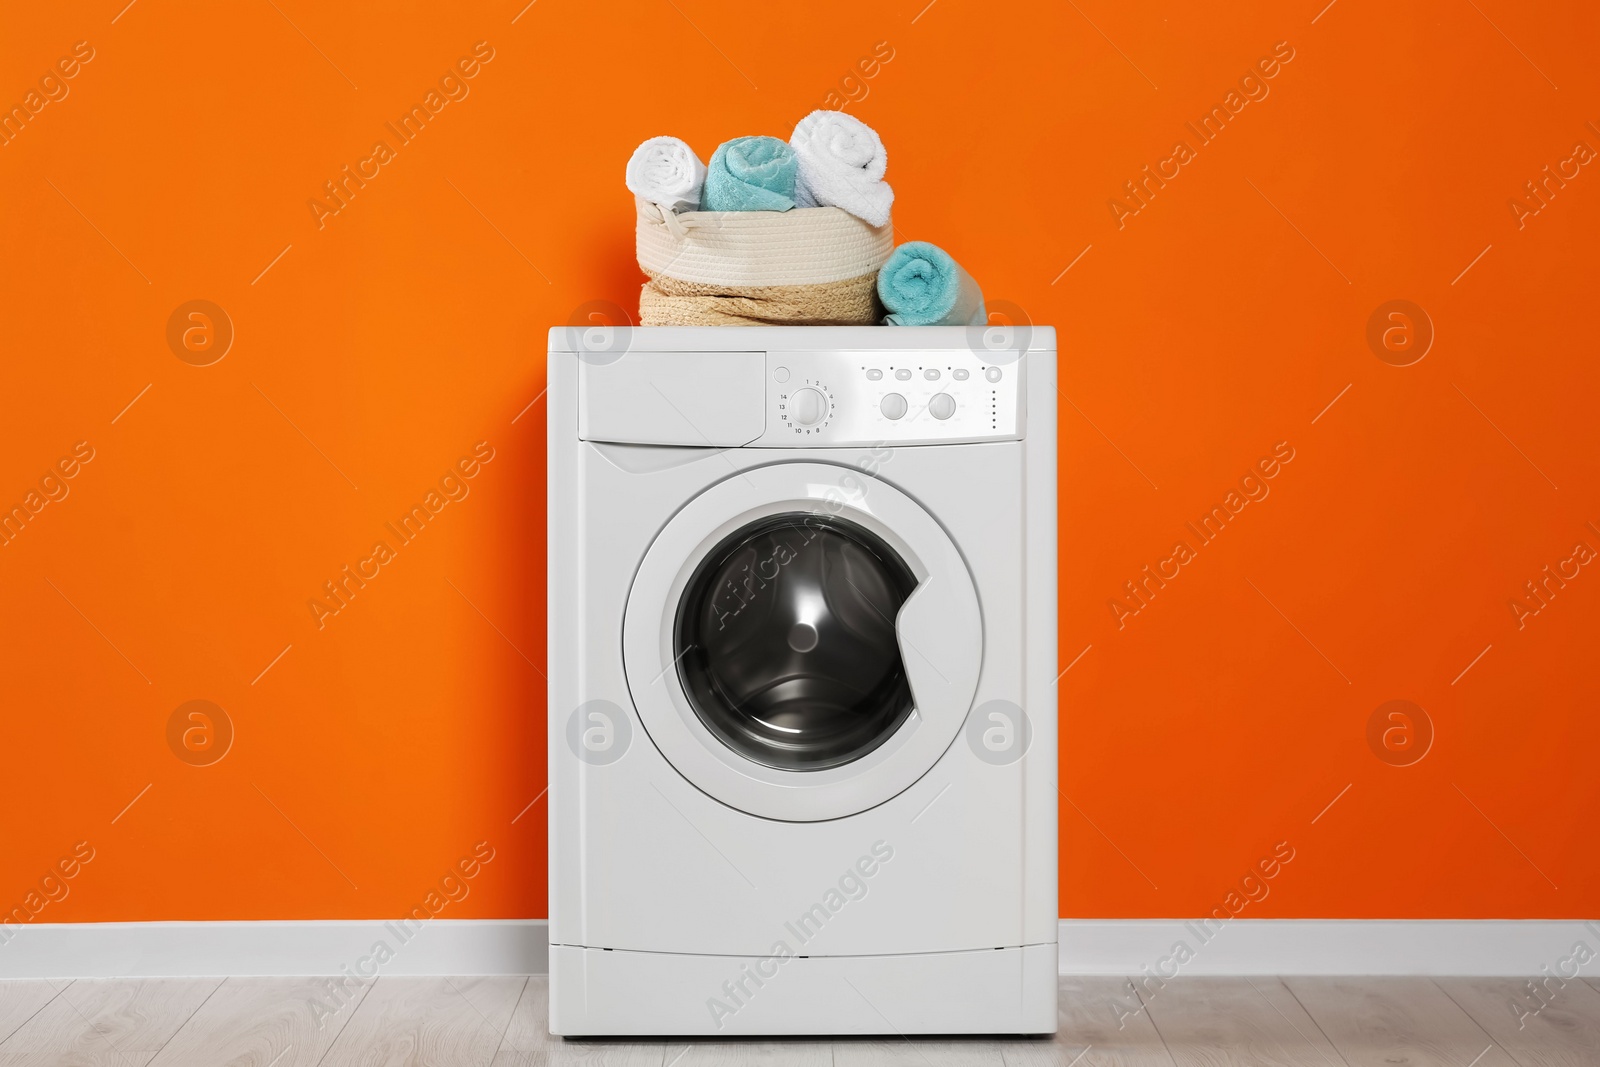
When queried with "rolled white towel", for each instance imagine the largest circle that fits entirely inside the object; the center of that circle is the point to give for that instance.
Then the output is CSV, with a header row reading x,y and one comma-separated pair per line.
x,y
665,171
842,163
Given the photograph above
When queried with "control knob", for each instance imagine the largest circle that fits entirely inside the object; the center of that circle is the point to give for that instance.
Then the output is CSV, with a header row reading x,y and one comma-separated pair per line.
x,y
808,406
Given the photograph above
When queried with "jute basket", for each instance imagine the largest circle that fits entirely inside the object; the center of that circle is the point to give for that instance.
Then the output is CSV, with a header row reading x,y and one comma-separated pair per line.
x,y
807,266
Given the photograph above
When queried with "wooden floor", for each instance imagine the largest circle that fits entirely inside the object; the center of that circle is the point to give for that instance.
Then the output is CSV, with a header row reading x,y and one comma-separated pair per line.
x,y
500,1022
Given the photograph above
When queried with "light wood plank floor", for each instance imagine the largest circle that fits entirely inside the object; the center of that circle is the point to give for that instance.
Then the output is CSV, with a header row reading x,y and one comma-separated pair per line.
x,y
501,1022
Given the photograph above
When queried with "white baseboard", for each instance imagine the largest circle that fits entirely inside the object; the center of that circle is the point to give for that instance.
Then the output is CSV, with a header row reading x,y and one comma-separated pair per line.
x,y
521,946
177,949
1516,947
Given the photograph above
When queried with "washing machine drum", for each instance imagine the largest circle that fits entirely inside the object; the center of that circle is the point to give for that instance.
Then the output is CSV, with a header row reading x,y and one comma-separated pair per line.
x,y
786,645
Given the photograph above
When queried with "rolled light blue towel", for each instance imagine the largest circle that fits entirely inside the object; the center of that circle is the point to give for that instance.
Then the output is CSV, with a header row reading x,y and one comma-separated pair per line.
x,y
921,285
750,174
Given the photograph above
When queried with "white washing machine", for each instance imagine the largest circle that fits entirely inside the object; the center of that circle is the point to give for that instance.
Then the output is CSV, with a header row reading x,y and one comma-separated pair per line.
x,y
802,714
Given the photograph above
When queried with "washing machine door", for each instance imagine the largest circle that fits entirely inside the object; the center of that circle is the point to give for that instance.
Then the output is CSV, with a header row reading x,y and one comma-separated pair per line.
x,y
802,641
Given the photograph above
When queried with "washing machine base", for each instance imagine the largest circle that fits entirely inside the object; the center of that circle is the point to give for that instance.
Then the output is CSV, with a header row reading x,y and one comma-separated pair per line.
x,y
613,993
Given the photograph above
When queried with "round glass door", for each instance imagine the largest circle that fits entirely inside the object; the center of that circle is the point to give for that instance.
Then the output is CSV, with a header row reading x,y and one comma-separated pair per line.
x,y
786,645
798,656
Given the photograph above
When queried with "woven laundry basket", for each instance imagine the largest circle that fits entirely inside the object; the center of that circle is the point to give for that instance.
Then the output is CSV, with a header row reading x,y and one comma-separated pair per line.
x,y
807,266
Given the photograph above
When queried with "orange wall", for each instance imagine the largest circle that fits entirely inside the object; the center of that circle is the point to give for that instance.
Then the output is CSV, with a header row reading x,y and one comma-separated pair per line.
x,y
1196,335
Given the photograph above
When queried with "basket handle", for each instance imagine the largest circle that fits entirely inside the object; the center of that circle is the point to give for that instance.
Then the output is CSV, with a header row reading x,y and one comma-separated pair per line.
x,y
656,215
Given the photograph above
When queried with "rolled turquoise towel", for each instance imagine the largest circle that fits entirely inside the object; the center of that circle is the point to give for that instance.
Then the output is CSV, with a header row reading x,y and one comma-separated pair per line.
x,y
750,174
921,285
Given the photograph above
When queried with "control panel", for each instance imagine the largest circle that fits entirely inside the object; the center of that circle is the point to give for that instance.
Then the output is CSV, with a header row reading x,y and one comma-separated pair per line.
x,y
858,398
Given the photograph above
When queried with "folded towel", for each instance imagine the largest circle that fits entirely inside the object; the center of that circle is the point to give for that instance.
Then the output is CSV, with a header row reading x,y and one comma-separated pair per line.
x,y
841,165
921,285
750,174
665,171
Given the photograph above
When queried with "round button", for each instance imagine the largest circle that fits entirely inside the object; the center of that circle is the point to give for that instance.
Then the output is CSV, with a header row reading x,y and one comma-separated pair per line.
x,y
942,406
809,406
893,406
904,374
931,374
961,374
993,374
780,375
874,375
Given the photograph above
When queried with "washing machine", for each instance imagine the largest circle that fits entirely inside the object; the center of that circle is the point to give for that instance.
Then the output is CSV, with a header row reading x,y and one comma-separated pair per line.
x,y
802,667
